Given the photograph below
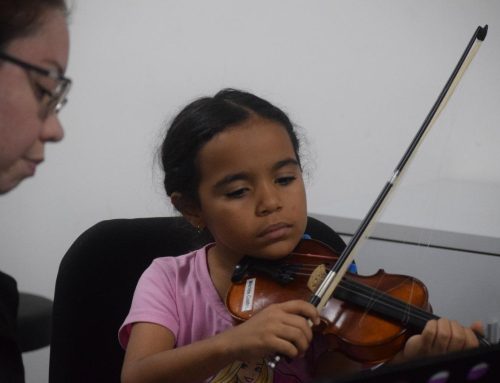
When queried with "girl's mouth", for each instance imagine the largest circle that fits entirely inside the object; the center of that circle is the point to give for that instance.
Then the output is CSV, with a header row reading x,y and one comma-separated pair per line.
x,y
275,231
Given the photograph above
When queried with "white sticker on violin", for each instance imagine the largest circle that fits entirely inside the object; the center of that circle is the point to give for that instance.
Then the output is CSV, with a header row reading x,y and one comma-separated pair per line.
x,y
247,304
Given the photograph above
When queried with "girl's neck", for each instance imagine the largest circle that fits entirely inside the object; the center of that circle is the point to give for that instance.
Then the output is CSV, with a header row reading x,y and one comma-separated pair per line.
x,y
220,268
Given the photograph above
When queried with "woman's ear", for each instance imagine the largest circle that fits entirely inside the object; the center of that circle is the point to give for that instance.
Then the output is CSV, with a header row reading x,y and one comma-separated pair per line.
x,y
189,209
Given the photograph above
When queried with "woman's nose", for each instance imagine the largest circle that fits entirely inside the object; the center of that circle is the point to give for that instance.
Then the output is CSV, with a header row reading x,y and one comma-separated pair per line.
x,y
52,129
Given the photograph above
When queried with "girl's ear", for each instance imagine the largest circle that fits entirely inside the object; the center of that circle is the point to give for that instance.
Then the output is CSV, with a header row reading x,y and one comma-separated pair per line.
x,y
189,209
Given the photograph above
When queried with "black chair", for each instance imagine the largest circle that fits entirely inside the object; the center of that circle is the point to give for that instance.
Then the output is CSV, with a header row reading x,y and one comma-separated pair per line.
x,y
96,282
33,322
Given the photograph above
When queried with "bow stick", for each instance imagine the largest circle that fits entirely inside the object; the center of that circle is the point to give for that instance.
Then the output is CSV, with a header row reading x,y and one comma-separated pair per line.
x,y
325,290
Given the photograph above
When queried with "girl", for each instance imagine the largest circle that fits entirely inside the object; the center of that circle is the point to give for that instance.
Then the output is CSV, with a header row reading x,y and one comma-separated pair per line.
x,y
232,167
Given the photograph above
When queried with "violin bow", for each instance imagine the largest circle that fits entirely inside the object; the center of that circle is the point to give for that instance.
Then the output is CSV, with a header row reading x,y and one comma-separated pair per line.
x,y
325,290
337,272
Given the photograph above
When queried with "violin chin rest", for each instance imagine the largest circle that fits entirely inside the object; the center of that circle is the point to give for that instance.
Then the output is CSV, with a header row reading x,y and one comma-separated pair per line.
x,y
316,277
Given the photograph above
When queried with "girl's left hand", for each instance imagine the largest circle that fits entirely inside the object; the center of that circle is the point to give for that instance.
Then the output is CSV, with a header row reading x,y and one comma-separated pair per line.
x,y
439,337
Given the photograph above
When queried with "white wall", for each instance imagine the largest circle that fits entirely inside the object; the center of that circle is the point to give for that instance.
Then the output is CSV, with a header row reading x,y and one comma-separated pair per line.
x,y
358,76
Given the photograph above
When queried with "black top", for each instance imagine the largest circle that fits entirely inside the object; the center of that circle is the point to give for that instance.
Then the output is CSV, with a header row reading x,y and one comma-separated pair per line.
x,y
11,362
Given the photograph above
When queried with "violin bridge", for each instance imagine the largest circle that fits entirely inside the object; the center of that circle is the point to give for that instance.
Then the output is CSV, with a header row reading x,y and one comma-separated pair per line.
x,y
316,277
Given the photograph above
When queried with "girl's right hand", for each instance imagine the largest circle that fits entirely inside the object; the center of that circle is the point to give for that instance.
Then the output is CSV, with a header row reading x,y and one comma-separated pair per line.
x,y
281,328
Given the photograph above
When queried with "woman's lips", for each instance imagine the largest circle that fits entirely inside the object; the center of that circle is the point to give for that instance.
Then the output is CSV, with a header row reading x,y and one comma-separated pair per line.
x,y
31,165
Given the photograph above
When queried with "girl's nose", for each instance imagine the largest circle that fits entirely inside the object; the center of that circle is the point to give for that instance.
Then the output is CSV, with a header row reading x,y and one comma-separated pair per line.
x,y
52,129
269,201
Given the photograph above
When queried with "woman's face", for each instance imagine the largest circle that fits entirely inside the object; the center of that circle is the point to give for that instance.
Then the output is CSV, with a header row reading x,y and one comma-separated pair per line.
x,y
24,129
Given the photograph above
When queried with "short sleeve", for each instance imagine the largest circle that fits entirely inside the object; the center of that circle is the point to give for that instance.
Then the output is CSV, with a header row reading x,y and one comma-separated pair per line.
x,y
153,301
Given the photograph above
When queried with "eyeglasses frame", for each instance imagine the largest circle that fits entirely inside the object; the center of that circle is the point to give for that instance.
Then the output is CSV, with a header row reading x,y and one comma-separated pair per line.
x,y
64,83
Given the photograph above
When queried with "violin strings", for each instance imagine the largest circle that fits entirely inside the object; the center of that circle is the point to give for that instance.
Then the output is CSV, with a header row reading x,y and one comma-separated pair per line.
x,y
385,304
407,311
382,300
389,302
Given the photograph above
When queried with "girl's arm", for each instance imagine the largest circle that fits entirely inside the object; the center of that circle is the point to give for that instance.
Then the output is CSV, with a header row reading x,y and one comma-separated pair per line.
x,y
151,357
279,328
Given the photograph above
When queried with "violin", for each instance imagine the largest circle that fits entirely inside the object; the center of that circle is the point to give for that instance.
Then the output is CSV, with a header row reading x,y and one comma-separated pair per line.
x,y
369,318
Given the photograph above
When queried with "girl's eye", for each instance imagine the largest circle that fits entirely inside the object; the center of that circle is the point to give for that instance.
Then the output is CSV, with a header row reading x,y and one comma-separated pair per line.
x,y
237,193
285,180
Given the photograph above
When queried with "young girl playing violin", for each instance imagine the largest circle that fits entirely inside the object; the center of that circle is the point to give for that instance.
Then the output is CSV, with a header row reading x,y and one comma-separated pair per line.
x,y
232,167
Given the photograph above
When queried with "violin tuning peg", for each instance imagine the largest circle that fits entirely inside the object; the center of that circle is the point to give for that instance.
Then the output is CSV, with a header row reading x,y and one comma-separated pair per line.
x,y
240,271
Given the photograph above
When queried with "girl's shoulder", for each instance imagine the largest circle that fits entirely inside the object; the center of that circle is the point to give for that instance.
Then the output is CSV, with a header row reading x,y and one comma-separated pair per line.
x,y
181,267
184,259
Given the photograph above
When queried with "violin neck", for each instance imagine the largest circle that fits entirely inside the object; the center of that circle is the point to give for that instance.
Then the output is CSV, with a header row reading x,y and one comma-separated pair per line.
x,y
410,316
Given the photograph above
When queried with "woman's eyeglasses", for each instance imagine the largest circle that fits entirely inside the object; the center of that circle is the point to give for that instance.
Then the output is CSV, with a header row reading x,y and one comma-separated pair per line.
x,y
52,97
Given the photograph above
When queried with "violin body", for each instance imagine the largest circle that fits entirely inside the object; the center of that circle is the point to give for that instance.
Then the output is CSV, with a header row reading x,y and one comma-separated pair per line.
x,y
352,320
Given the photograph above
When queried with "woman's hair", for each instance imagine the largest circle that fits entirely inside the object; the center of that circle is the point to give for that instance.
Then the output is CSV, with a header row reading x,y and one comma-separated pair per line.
x,y
201,120
22,17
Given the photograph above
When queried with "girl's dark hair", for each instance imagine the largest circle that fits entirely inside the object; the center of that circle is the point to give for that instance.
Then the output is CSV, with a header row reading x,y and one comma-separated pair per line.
x,y
201,120
21,17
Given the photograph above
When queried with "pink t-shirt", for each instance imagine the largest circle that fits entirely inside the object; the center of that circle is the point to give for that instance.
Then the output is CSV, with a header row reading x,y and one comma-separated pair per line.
x,y
178,293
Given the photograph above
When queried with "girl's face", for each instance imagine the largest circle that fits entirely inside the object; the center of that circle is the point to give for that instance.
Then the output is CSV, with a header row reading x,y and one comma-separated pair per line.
x,y
23,129
252,195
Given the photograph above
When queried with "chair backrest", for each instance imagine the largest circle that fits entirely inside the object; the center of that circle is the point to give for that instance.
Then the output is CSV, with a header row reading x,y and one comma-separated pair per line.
x,y
96,282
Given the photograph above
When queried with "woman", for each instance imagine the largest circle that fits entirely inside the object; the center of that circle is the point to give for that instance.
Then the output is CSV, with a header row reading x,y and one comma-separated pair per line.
x,y
34,46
